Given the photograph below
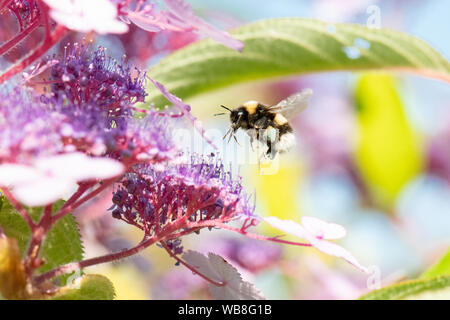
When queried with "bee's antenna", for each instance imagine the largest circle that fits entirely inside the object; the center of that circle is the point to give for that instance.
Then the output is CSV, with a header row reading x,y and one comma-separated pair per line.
x,y
225,108
219,114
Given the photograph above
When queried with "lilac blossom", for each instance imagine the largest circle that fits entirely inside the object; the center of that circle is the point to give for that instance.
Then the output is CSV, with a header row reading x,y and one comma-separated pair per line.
x,y
29,128
85,75
44,127
176,199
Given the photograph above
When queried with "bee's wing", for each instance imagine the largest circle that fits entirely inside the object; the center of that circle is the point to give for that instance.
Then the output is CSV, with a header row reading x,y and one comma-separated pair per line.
x,y
293,104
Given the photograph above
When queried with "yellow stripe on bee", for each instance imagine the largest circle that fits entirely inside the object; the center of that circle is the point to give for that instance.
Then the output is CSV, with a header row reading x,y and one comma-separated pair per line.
x,y
251,106
280,119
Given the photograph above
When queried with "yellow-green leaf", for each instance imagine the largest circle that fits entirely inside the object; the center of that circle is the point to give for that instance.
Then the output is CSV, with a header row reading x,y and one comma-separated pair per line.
x,y
292,46
61,245
441,268
435,288
88,287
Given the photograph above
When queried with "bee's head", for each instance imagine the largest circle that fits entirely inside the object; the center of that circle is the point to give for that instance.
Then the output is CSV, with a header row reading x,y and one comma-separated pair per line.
x,y
236,118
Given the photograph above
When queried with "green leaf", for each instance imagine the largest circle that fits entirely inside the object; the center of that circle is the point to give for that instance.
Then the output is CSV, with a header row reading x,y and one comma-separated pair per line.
x,y
388,153
441,268
14,226
435,288
89,287
61,245
292,46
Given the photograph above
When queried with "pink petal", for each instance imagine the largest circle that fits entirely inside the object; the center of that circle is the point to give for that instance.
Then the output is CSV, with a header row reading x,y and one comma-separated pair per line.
x,y
183,10
323,229
184,108
171,97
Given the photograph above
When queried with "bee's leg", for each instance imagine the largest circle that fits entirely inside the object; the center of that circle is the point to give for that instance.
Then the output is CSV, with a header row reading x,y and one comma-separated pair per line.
x,y
252,133
228,132
271,153
235,139
231,135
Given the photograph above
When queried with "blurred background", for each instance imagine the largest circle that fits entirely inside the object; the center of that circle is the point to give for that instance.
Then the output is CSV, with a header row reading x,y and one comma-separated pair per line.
x,y
373,154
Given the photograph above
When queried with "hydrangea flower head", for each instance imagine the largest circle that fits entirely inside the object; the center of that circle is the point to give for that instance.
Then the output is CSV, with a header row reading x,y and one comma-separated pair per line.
x,y
85,75
28,128
176,199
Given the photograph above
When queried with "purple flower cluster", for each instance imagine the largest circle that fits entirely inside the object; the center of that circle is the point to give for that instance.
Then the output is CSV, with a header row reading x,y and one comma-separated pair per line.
x,y
88,76
82,132
28,128
176,199
89,109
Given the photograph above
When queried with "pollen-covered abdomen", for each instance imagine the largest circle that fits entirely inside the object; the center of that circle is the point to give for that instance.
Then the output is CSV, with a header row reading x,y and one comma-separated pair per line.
x,y
286,142
286,139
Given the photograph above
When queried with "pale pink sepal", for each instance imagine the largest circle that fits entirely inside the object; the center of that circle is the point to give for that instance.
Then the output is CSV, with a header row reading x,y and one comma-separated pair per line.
x,y
316,231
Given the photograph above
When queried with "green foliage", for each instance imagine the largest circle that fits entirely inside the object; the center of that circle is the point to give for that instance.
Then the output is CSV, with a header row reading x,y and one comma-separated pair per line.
x,y
292,46
89,287
388,153
61,245
434,288
441,268
14,226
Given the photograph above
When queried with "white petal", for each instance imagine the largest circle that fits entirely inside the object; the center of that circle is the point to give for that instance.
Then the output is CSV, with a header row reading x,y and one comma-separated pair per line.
x,y
80,167
287,226
323,229
87,15
13,174
293,228
42,191
336,250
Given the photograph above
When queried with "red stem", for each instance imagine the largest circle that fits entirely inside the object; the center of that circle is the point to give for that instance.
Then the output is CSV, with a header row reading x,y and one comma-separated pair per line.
x,y
36,241
82,187
4,4
55,36
67,209
245,233
146,242
19,37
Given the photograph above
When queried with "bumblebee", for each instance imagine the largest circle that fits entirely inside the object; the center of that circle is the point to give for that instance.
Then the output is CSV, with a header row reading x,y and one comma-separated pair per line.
x,y
268,125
